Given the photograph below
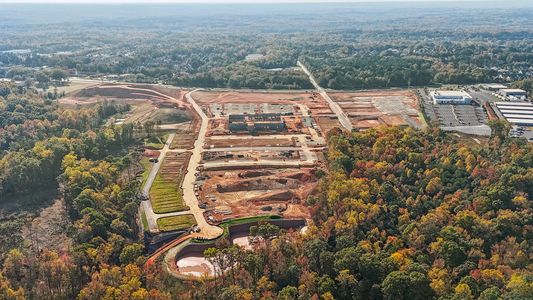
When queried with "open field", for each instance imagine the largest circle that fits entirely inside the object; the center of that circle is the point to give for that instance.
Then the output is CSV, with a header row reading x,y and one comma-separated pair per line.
x,y
166,195
186,135
373,108
181,222
73,86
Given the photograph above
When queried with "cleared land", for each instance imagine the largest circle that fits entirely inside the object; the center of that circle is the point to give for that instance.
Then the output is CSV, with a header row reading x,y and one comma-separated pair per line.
x,y
208,97
386,107
230,194
248,142
73,86
313,101
166,194
176,223
248,172
326,123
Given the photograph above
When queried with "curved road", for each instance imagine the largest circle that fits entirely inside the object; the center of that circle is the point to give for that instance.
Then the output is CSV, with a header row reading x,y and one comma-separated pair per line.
x,y
206,230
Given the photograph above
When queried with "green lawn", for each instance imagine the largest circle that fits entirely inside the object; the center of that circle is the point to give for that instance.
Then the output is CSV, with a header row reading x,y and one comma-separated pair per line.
x,y
144,221
166,196
147,167
176,222
156,142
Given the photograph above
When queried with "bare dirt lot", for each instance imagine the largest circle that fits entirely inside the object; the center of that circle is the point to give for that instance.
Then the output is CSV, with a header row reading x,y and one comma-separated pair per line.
x,y
240,193
160,97
326,123
161,105
208,97
372,108
249,142
186,136
315,102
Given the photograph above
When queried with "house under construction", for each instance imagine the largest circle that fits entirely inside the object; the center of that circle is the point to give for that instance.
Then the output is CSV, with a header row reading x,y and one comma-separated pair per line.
x,y
257,123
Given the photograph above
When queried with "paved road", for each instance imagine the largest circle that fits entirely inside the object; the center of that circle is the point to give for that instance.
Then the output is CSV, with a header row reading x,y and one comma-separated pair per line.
x,y
343,118
146,205
475,130
206,230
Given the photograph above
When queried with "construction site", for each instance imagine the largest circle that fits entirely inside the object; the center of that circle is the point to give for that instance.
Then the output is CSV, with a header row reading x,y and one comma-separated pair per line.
x,y
260,154
229,156
267,112
381,107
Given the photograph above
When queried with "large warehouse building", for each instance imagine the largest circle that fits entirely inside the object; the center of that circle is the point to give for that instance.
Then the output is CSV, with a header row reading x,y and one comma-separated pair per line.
x,y
494,87
517,113
513,94
451,97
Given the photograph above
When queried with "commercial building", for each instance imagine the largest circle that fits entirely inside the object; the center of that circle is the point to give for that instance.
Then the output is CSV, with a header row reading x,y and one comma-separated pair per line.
x,y
256,123
517,113
451,97
494,87
513,94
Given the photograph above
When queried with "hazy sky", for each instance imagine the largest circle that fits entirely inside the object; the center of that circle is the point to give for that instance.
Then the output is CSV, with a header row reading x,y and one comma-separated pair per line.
x,y
216,1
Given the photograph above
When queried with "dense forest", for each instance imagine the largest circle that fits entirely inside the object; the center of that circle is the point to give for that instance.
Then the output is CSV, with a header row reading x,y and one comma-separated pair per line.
x,y
399,214
47,152
346,46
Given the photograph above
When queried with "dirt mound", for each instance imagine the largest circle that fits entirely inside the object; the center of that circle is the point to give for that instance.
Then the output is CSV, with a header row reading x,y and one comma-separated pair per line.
x,y
256,184
283,195
121,92
254,173
303,176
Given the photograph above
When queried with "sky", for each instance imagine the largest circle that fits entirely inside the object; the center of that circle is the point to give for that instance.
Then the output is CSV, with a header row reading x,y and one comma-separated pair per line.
x,y
218,1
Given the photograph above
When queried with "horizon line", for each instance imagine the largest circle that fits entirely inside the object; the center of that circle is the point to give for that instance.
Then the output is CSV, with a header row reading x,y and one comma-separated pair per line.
x,y
236,1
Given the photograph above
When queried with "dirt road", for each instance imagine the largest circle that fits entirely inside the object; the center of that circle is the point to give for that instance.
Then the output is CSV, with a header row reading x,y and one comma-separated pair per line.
x,y
343,119
206,230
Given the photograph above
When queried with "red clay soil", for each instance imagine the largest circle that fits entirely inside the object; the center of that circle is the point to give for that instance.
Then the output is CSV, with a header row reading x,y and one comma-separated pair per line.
x,y
128,92
249,192
150,261
151,153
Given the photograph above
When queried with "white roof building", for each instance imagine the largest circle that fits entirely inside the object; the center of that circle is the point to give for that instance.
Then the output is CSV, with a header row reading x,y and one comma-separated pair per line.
x,y
517,113
513,93
451,97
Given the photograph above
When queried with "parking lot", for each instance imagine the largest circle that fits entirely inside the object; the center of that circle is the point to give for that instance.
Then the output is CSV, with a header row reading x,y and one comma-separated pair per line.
x,y
453,115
